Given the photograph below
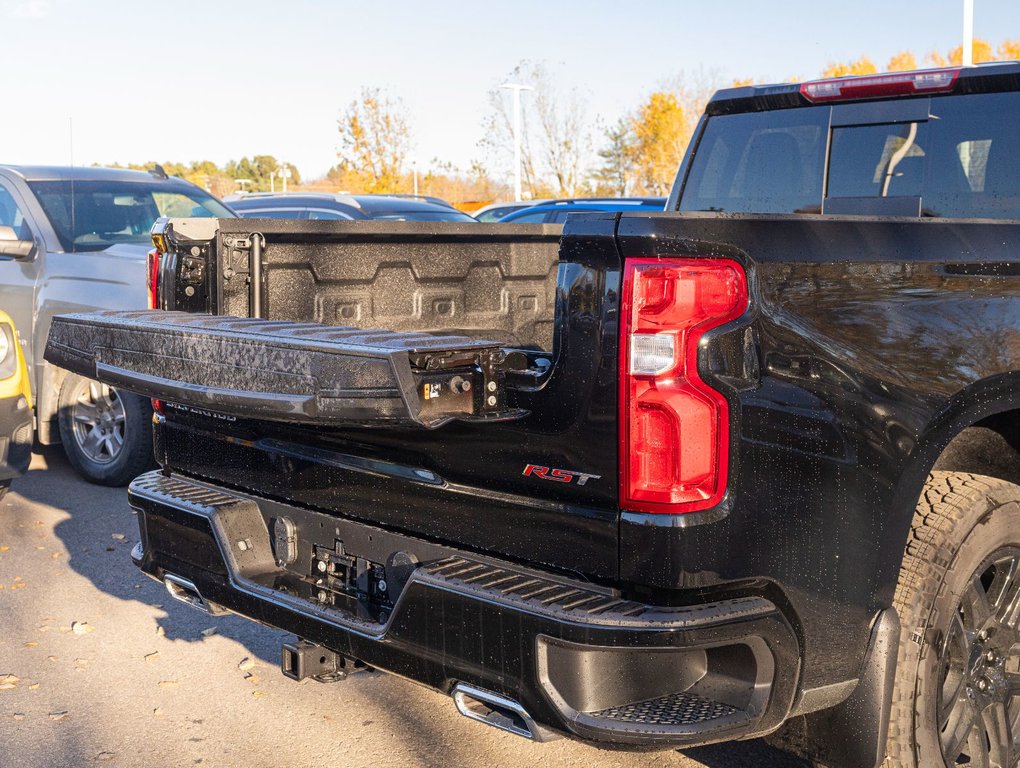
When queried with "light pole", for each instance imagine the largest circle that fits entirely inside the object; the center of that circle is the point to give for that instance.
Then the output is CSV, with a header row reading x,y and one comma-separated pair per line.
x,y
968,33
516,88
284,174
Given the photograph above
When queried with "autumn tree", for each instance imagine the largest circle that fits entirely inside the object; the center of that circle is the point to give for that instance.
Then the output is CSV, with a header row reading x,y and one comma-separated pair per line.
x,y
661,132
903,61
982,51
374,142
1009,50
861,66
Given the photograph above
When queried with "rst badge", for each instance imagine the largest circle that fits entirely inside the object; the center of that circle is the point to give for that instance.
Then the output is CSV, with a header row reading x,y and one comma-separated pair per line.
x,y
558,475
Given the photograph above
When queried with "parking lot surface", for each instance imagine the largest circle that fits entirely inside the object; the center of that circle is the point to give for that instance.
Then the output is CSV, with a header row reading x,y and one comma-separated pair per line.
x,y
97,666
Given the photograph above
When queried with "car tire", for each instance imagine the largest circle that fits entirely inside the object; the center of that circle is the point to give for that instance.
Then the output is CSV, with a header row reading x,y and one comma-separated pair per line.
x,y
958,598
106,433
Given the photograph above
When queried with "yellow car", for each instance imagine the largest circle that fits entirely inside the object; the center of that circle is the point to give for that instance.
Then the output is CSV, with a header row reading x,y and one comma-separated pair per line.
x,y
15,407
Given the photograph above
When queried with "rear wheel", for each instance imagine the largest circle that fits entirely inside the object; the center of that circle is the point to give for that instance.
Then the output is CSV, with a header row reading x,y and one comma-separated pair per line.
x,y
957,695
106,433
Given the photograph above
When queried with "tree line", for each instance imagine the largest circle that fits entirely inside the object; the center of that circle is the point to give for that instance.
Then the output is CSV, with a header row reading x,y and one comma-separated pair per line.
x,y
566,150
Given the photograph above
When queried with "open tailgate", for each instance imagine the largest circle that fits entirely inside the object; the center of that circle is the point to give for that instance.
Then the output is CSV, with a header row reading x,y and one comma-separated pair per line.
x,y
303,373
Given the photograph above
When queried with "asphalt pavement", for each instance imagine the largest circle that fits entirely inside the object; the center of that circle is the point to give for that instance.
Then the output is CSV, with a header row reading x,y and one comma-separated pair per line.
x,y
98,666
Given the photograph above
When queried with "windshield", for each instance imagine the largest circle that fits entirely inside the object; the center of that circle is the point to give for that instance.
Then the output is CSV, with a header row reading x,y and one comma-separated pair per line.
x,y
109,212
425,216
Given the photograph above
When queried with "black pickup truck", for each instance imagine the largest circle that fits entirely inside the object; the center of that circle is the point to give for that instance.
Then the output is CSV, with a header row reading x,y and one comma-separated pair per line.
x,y
651,480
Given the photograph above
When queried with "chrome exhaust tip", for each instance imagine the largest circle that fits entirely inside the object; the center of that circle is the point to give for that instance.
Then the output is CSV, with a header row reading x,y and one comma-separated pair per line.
x,y
186,592
499,712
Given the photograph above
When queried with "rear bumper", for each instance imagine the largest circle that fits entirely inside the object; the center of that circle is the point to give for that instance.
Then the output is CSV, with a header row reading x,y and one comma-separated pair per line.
x,y
578,659
15,437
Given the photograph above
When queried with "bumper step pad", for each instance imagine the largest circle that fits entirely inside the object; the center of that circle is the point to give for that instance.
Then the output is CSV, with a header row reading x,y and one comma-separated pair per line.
x,y
288,371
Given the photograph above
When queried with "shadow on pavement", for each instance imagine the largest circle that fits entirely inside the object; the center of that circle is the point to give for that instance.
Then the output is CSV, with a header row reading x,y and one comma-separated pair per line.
x,y
99,533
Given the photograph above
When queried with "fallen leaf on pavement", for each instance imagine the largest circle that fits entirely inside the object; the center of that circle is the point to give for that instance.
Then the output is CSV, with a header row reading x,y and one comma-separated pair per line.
x,y
160,632
246,664
31,645
58,715
157,711
19,715
81,627
154,656
253,678
209,632
119,536
168,683
34,687
258,694
8,679
51,658
104,756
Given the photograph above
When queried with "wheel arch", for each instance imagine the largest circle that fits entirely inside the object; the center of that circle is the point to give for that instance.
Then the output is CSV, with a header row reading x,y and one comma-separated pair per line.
x,y
976,431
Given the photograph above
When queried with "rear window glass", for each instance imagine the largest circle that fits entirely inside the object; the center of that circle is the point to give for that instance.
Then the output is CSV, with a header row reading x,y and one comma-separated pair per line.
x,y
877,160
963,162
974,169
760,162
98,214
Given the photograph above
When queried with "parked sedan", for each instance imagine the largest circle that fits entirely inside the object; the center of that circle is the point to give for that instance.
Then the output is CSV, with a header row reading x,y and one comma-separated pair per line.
x,y
321,205
556,211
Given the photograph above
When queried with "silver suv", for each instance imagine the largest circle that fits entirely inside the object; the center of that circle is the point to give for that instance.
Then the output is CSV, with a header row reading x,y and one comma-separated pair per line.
x,y
74,240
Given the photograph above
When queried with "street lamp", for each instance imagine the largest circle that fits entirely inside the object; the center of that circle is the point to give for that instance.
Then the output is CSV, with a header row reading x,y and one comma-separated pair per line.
x,y
516,88
968,33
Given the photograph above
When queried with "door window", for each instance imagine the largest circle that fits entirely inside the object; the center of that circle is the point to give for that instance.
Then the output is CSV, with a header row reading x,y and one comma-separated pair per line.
x,y
11,215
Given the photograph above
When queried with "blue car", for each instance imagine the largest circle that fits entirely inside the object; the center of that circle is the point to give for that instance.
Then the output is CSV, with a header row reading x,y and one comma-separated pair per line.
x,y
556,211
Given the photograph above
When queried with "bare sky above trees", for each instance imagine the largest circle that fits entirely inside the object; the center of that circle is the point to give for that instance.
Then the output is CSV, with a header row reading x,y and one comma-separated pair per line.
x,y
245,79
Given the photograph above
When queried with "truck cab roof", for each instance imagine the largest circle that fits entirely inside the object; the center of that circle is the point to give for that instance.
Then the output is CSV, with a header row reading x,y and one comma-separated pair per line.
x,y
982,78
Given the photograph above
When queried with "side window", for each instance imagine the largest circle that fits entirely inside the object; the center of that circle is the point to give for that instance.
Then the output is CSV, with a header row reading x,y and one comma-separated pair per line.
x,y
273,213
11,215
317,214
530,218
877,169
975,164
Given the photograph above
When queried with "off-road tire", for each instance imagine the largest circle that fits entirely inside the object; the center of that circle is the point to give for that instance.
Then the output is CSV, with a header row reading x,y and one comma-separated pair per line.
x,y
960,521
135,453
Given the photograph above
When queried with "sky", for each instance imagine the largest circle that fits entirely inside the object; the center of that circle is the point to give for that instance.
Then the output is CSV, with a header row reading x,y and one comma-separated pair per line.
x,y
179,80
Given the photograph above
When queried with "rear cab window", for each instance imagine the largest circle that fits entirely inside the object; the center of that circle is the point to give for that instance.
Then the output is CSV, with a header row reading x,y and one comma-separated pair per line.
x,y
953,156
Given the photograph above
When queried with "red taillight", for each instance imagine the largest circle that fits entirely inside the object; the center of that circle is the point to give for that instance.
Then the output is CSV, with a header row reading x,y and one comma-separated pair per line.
x,y
674,442
876,86
152,277
157,406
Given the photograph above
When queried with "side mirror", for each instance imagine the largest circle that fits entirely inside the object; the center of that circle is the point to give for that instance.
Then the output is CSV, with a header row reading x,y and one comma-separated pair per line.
x,y
10,245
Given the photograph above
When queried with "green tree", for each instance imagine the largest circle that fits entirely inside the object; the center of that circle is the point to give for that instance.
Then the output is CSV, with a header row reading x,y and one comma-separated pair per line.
x,y
614,175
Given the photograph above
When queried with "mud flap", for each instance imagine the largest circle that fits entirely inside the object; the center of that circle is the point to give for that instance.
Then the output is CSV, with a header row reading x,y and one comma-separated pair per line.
x,y
287,371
